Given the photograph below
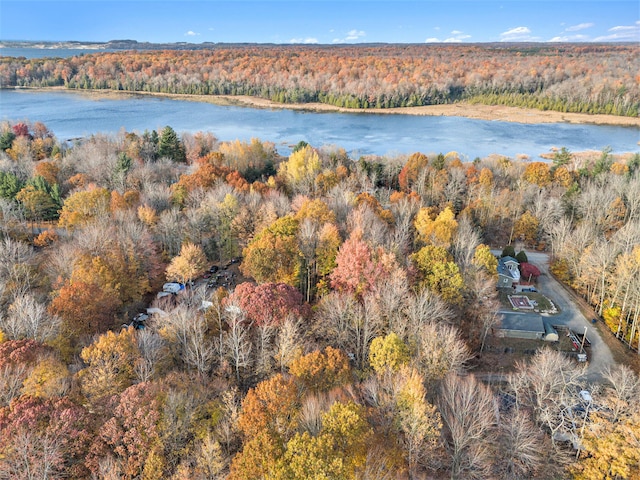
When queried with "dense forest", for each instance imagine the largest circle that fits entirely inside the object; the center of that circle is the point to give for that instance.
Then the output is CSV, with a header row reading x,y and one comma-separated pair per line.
x,y
340,334
567,78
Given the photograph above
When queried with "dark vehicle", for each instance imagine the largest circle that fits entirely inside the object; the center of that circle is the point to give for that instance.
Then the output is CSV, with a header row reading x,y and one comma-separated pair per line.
x,y
138,321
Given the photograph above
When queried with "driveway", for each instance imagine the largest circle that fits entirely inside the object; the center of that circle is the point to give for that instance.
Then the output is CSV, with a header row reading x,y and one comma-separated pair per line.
x,y
600,356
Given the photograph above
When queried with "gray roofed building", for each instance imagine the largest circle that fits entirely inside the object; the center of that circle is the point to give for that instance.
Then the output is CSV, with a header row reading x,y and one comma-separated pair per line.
x,y
508,272
516,325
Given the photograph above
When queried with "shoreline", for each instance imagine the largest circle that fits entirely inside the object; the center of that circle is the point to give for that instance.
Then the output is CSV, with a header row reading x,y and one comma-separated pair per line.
x,y
473,111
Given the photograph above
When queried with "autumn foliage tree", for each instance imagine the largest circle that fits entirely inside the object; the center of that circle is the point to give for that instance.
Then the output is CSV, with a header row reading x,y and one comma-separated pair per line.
x,y
439,272
359,267
43,438
111,361
131,436
83,206
269,303
85,308
322,370
273,255
189,264
409,173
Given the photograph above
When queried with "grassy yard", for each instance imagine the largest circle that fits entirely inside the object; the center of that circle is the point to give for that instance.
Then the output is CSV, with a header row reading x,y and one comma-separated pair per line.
x,y
543,303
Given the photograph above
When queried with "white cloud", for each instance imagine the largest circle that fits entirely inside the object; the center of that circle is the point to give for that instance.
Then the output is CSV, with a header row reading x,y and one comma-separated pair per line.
x,y
191,33
307,40
355,34
517,34
569,38
351,36
516,31
580,26
622,33
456,39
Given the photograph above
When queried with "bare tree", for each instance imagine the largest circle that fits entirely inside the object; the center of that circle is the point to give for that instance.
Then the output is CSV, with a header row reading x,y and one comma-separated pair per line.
x,y
364,327
152,349
469,411
549,385
336,312
12,218
187,328
264,350
313,406
439,352
32,456
401,237
226,430
28,318
237,340
623,393
373,227
16,265
391,296
427,307
288,342
521,446
464,243
11,378
378,465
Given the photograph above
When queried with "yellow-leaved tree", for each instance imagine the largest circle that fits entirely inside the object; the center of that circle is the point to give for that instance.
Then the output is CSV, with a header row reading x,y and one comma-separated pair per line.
x,y
439,272
388,353
189,264
111,361
84,206
439,232
301,169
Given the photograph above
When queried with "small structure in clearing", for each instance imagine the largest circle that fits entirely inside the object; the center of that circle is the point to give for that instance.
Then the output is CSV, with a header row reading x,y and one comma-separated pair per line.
x,y
515,325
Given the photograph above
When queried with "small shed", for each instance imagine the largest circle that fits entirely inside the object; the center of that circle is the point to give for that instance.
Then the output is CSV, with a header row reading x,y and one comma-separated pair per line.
x,y
527,326
550,333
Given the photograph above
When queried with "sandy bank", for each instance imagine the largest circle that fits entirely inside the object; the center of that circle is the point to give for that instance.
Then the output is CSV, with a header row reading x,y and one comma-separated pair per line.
x,y
480,112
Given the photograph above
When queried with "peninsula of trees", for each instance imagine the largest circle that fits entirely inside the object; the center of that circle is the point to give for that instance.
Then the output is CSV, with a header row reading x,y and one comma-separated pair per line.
x,y
341,331
600,79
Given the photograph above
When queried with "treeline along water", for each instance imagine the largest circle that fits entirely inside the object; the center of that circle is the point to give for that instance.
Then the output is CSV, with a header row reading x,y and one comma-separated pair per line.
x,y
70,115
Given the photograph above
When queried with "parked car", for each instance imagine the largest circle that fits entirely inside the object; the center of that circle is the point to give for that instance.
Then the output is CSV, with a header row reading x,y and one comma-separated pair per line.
x,y
172,287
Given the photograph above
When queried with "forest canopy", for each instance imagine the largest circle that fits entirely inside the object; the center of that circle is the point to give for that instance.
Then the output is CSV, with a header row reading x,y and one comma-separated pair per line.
x,y
339,321
567,77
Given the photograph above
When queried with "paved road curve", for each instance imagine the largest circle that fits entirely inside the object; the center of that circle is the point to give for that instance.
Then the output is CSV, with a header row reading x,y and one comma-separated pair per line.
x,y
600,355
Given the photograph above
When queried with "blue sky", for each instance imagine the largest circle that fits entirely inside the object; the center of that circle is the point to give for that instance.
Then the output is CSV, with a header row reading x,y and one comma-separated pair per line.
x,y
321,21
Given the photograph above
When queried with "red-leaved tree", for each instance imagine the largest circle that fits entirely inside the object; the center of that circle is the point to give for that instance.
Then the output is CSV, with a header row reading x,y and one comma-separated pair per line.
x,y
43,438
269,303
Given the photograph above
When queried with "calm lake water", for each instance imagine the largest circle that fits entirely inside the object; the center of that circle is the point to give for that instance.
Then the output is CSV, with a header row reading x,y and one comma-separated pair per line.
x,y
71,115
46,52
